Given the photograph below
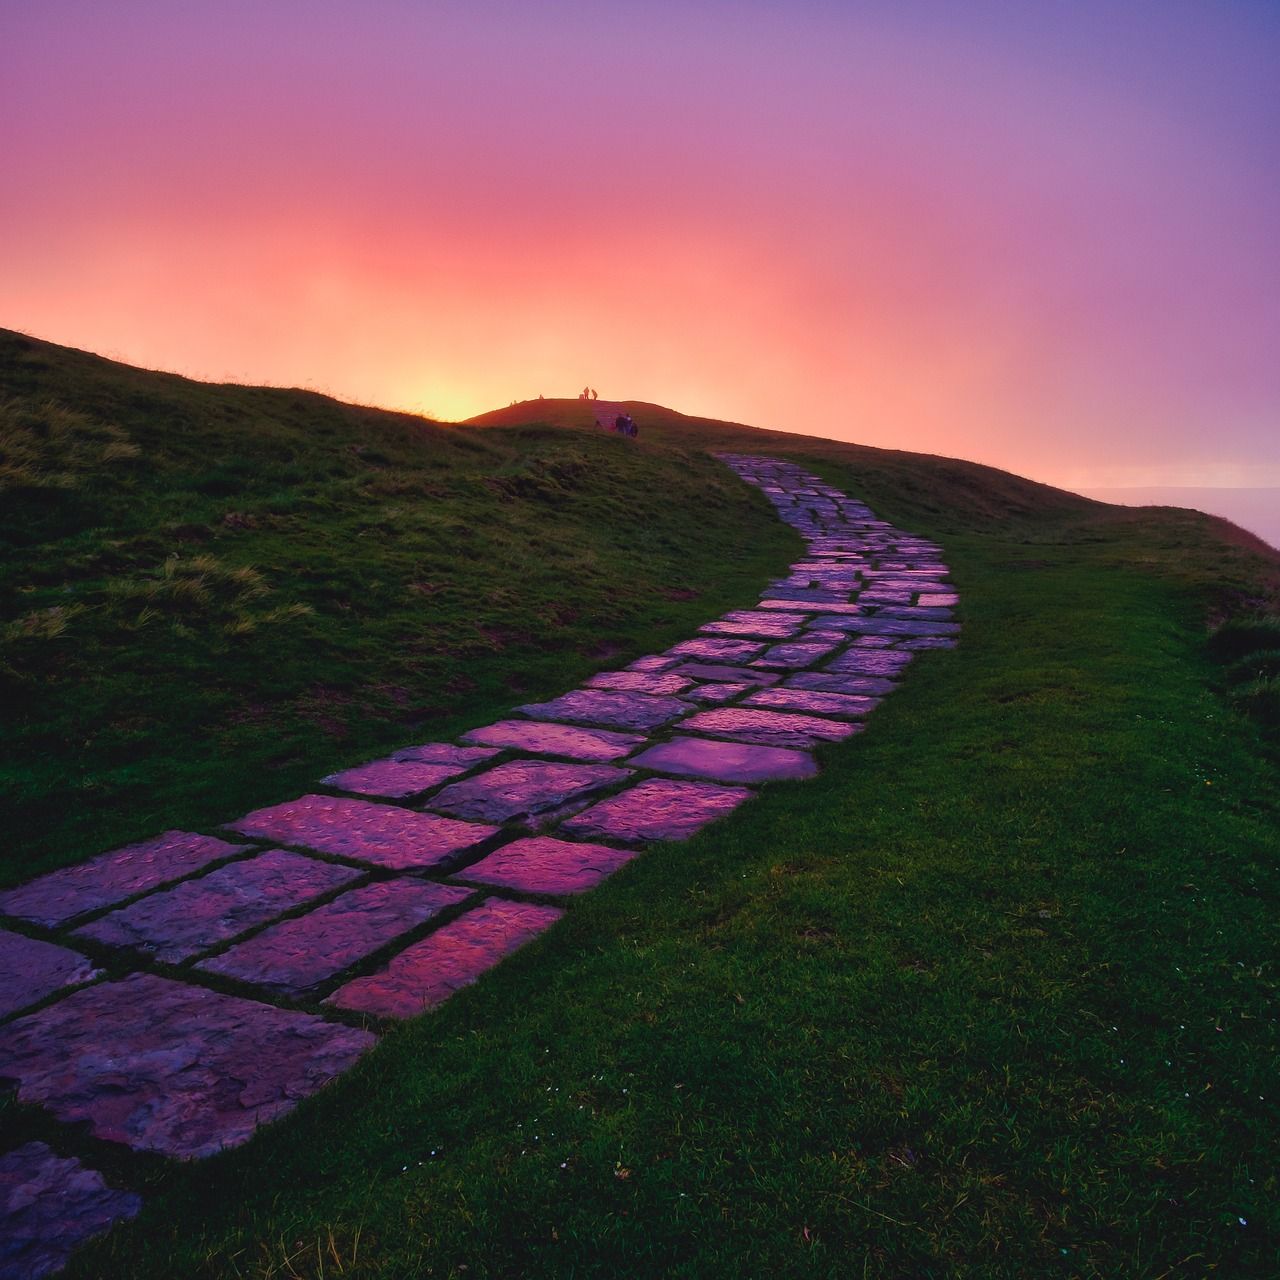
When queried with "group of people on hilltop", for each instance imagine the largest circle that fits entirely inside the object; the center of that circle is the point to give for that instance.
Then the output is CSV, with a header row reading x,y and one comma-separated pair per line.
x,y
589,393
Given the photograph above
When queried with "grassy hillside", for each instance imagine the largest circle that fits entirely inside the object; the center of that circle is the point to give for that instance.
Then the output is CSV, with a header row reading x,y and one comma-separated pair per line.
x,y
993,996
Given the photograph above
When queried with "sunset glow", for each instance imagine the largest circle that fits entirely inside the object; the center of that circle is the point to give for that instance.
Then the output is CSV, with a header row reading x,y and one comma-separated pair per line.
x,y
1039,236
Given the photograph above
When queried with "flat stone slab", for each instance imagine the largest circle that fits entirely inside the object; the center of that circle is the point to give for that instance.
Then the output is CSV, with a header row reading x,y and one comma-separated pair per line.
x,y
657,809
716,649
380,834
525,789
748,623
103,881
30,970
540,864
874,686
814,702
604,707
427,973
172,1068
712,671
445,753
938,599
175,924
49,1206
393,779
726,761
773,728
915,611
654,682
715,694
882,626
797,653
876,642
547,738
652,662
296,955
815,605
874,596
929,642
869,662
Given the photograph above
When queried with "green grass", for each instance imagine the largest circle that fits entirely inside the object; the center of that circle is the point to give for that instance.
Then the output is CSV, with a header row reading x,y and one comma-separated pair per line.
x,y
995,995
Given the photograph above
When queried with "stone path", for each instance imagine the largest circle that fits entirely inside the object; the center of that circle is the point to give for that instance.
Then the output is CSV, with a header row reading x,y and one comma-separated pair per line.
x,y
260,962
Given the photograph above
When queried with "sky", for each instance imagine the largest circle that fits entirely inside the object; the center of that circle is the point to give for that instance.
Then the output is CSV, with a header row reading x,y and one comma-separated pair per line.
x,y
1039,235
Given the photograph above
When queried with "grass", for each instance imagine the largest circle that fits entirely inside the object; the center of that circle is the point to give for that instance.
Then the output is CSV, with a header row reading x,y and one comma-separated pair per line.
x,y
995,995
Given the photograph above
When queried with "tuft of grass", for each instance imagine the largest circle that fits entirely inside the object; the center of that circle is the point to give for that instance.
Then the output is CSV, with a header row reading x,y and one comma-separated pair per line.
x,y
45,445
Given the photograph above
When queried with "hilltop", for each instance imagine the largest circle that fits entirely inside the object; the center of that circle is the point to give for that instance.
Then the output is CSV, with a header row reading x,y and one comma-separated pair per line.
x,y
994,992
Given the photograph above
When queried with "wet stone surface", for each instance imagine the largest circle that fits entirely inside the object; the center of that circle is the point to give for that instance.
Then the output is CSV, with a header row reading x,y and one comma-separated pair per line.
x,y
882,626
717,649
393,779
296,955
49,1206
773,728
175,924
547,738
869,662
540,864
445,753
429,972
715,694
657,809
798,653
763,623
30,970
654,682
172,1068
728,675
379,834
525,789
604,707
110,878
726,761
814,702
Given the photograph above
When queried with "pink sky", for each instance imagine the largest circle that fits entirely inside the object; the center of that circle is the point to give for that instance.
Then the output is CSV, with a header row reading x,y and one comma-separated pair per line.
x,y
1042,236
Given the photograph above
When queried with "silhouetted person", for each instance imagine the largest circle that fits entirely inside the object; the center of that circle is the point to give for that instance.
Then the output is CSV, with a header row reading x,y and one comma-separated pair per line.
x,y
595,395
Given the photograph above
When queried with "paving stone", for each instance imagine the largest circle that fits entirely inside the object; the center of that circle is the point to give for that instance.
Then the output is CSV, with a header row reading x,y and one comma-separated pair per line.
x,y
525,789
814,702
380,834
874,642
296,955
30,970
773,728
716,649
869,662
658,809
939,599
49,1206
915,611
429,972
875,686
653,662
814,606
726,761
548,738
445,753
771,626
799,597
929,642
103,881
175,924
541,864
872,596
798,653
172,1068
883,626
729,675
655,682
615,710
393,779
715,694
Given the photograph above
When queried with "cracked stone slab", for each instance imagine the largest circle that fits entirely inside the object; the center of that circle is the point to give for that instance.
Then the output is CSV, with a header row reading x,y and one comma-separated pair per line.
x,y
541,864
525,789
112,877
729,675
30,970
604,707
726,761
393,779
49,1206
380,834
869,662
427,973
657,809
445,753
875,686
545,737
299,954
814,702
797,653
772,728
654,682
716,649
175,924
172,1068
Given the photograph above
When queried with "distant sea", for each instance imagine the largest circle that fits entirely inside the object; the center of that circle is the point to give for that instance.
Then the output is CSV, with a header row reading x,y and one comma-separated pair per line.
x,y
1257,510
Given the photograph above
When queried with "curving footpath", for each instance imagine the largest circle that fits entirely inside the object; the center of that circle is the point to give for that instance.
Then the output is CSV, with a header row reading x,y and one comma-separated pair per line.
x,y
256,960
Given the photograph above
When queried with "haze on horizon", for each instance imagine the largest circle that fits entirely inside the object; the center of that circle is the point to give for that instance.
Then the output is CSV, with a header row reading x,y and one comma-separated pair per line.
x,y
1042,237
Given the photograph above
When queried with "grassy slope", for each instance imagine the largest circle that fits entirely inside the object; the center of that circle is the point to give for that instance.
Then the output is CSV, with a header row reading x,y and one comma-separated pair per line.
x,y
994,995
